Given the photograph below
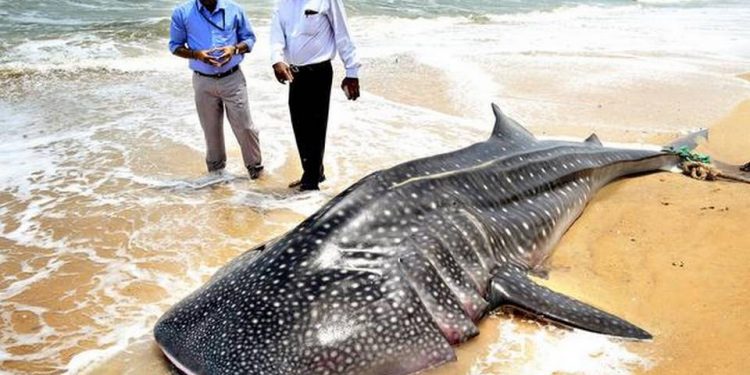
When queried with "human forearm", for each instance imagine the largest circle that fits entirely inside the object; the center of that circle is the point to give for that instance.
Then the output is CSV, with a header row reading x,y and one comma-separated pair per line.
x,y
245,36
241,47
346,49
185,52
277,54
277,40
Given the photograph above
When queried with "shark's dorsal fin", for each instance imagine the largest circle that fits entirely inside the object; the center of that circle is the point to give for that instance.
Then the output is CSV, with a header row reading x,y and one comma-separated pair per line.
x,y
594,140
508,129
511,287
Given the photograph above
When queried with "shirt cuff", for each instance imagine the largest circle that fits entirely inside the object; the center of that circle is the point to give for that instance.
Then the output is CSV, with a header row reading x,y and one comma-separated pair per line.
x,y
173,47
249,43
276,58
352,72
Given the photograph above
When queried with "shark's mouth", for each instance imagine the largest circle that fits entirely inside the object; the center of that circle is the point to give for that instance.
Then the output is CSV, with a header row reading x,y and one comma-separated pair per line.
x,y
177,363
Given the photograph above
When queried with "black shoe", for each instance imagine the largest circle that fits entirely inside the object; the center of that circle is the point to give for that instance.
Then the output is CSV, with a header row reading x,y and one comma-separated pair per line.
x,y
298,183
306,187
255,171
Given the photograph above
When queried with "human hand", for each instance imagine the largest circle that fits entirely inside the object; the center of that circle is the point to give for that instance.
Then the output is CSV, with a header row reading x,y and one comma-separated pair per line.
x,y
226,54
206,57
282,72
350,87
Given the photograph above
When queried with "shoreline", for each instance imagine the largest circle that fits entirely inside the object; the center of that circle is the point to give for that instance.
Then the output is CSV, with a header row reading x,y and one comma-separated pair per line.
x,y
102,228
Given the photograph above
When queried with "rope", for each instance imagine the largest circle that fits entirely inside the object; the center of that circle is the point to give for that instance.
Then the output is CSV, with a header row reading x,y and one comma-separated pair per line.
x,y
699,167
695,165
700,171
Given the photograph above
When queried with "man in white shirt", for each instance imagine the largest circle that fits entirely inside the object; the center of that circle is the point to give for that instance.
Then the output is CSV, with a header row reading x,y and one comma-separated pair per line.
x,y
305,36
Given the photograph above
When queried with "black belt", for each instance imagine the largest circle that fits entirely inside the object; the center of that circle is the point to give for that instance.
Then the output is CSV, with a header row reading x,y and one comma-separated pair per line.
x,y
220,75
310,67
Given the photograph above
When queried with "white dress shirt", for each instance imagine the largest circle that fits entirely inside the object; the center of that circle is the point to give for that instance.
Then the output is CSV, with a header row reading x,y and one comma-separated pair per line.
x,y
305,32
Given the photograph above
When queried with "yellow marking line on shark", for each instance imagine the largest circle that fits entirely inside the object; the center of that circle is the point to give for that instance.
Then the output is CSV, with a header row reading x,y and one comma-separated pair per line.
x,y
476,167
444,174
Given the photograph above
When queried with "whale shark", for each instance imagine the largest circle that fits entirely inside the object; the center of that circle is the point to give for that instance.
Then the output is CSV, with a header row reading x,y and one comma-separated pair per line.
x,y
397,269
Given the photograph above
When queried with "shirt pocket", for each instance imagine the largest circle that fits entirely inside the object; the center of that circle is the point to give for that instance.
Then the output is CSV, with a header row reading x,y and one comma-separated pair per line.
x,y
313,23
228,35
313,17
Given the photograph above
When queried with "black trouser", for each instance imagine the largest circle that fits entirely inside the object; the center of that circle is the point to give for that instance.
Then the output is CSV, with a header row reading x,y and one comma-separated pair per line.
x,y
309,101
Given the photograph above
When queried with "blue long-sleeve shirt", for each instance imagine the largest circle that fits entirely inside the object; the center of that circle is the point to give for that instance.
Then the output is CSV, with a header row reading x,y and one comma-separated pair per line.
x,y
195,27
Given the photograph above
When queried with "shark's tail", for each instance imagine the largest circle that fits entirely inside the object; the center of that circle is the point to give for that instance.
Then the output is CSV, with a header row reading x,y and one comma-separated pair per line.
x,y
704,167
689,141
740,173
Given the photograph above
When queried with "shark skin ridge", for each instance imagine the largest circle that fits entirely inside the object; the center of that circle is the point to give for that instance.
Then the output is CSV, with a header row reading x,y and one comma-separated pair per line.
x,y
399,267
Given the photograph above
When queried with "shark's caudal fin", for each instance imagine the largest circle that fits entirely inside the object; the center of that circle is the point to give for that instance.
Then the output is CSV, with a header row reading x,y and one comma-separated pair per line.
x,y
727,171
510,286
732,172
508,129
690,141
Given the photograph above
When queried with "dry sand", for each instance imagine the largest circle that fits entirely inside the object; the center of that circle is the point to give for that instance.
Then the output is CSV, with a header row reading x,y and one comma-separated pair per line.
x,y
669,253
666,252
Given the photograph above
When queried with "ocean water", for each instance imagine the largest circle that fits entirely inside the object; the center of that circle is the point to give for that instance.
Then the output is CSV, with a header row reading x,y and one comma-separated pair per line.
x,y
106,216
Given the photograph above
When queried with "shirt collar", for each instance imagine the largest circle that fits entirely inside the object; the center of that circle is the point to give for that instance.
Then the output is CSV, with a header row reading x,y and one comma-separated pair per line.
x,y
220,4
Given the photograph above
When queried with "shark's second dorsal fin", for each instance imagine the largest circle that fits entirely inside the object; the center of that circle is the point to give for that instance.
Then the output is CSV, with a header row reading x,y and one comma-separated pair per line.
x,y
510,286
593,139
508,129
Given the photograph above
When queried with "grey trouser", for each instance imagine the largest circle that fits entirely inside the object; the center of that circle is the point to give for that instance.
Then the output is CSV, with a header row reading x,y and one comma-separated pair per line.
x,y
212,97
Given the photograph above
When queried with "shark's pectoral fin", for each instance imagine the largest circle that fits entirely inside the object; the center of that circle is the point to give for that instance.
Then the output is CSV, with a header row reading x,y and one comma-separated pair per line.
x,y
512,287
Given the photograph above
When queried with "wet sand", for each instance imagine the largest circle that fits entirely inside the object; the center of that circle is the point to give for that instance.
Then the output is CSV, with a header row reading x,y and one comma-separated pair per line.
x,y
663,251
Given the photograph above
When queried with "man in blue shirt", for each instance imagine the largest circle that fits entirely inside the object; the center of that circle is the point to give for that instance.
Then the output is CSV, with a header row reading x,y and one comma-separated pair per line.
x,y
214,35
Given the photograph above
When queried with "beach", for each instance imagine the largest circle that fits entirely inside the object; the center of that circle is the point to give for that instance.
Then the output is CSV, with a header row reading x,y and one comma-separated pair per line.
x,y
104,223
